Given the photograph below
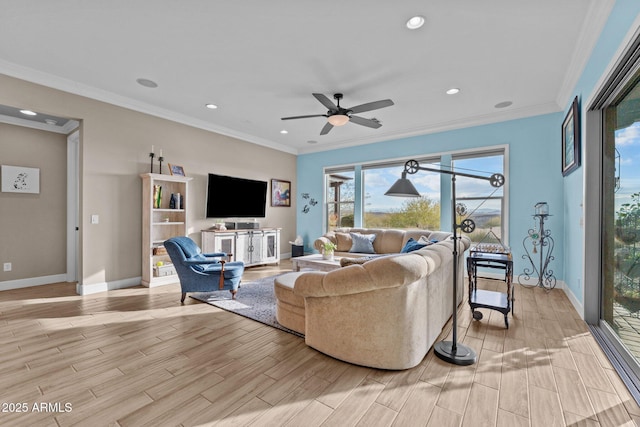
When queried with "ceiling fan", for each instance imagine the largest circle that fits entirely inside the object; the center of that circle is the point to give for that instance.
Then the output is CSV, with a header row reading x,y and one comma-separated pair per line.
x,y
338,116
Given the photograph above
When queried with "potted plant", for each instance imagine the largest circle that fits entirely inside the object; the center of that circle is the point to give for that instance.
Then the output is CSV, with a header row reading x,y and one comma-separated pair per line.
x,y
328,250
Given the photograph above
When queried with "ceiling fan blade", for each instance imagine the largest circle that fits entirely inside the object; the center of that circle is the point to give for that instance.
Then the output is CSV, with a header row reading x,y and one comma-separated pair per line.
x,y
365,122
325,130
304,117
326,101
371,106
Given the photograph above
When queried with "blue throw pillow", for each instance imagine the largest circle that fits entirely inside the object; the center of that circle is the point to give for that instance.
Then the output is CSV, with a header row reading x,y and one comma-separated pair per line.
x,y
362,243
411,246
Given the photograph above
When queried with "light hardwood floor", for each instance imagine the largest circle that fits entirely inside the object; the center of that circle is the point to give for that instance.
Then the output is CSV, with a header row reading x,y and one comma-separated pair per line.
x,y
136,357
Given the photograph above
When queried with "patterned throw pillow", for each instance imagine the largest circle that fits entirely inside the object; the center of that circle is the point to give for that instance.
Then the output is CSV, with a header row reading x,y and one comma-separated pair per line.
x,y
362,243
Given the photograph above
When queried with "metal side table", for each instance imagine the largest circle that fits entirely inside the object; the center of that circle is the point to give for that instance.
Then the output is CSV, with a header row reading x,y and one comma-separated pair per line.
x,y
479,298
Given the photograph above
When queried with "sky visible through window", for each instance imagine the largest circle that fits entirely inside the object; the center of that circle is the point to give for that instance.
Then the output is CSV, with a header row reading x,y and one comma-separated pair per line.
x,y
628,145
377,182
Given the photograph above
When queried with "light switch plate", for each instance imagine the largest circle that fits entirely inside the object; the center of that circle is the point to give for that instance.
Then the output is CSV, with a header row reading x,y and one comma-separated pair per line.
x,y
95,219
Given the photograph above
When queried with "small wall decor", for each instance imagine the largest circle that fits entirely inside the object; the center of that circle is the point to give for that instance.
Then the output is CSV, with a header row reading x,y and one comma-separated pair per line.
x,y
17,179
571,139
309,201
280,193
176,170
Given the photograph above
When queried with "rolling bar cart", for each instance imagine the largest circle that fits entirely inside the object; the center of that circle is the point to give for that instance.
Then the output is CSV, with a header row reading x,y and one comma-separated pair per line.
x,y
479,298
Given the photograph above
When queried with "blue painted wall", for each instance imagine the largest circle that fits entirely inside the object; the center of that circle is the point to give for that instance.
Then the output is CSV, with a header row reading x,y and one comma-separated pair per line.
x,y
533,158
620,23
534,163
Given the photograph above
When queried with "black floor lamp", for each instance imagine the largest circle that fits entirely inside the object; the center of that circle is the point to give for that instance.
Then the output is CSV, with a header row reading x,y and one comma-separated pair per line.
x,y
449,351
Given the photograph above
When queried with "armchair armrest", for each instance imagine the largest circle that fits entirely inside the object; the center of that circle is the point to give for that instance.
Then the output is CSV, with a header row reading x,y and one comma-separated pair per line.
x,y
215,254
201,261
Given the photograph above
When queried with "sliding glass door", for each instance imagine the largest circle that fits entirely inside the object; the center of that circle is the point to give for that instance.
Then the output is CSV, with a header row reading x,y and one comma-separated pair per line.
x,y
620,287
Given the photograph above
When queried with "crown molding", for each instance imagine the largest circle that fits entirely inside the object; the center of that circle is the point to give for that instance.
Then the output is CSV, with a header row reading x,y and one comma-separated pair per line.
x,y
597,16
66,85
480,120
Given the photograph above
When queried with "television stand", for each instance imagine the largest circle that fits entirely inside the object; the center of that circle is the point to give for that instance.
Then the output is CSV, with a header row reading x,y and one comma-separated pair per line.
x,y
251,246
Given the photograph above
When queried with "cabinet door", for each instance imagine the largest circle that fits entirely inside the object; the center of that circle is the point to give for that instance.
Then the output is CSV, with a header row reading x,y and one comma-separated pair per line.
x,y
271,247
226,243
256,247
243,243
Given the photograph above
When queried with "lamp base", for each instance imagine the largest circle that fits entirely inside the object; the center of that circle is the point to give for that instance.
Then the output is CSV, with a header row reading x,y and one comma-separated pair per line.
x,y
462,356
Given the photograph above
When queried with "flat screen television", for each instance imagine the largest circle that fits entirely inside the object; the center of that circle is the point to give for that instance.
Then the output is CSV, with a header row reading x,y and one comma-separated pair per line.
x,y
232,197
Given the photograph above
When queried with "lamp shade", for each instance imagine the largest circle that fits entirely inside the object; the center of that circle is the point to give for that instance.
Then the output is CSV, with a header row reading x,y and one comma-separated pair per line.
x,y
402,188
338,119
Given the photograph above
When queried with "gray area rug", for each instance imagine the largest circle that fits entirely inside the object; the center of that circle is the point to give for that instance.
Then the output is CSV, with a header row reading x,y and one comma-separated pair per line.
x,y
255,300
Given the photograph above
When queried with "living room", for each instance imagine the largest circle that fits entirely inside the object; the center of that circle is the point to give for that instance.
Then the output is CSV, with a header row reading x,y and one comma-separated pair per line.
x,y
115,141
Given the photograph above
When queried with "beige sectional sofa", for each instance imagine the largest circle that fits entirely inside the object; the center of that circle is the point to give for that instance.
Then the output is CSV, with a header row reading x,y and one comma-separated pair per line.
x,y
387,241
387,312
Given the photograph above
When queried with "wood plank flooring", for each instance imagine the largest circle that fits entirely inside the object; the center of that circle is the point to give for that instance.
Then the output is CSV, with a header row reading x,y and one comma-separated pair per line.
x,y
137,357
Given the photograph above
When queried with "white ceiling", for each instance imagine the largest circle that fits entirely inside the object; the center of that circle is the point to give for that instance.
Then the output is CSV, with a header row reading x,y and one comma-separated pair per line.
x,y
261,60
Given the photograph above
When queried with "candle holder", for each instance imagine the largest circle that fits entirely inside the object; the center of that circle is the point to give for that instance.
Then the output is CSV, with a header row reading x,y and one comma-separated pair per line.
x,y
160,159
152,155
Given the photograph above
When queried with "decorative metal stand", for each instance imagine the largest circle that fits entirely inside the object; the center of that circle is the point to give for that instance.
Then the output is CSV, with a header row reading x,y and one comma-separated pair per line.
x,y
543,245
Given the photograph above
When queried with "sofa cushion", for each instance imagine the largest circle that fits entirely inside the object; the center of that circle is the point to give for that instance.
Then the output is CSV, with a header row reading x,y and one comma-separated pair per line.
x,y
362,243
345,261
344,242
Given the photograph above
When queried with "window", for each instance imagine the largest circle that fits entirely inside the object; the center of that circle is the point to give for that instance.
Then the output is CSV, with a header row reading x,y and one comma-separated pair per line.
x,y
484,203
382,211
340,189
355,195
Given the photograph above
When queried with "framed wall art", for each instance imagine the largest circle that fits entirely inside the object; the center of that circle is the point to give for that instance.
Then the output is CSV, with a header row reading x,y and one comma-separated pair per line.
x,y
18,179
571,139
280,192
176,170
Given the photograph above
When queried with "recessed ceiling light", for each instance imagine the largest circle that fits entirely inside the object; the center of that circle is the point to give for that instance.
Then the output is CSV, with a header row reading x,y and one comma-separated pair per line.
x,y
147,83
503,104
453,91
415,22
312,142
211,106
50,122
284,131
28,113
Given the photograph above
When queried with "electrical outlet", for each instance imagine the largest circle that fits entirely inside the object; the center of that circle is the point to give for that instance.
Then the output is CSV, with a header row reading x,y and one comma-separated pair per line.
x,y
7,266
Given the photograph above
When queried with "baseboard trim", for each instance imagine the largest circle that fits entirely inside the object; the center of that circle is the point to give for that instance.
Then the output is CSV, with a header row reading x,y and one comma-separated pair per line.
x,y
94,288
32,281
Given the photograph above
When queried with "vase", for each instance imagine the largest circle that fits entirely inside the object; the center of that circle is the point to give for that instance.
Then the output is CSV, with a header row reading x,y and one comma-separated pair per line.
x,y
328,256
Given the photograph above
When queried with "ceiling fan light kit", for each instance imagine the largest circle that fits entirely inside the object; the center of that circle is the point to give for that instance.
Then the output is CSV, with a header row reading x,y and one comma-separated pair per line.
x,y
338,116
338,119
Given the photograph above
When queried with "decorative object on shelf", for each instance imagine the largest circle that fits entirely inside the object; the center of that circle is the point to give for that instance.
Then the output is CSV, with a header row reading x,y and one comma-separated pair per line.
x,y
571,139
280,193
449,351
17,179
152,155
328,250
157,196
176,170
541,241
176,201
160,160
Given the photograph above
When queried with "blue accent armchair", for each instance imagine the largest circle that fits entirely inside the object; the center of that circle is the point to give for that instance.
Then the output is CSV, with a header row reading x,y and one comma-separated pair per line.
x,y
200,272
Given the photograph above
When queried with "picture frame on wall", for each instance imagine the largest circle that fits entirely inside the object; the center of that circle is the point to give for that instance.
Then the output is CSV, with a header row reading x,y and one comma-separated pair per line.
x,y
280,193
18,179
176,170
571,139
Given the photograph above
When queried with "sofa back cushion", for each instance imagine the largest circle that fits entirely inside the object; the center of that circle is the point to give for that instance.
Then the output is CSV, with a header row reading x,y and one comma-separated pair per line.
x,y
343,242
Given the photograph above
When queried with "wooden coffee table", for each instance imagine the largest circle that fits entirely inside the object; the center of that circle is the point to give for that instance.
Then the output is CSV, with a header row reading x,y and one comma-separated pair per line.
x,y
316,262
